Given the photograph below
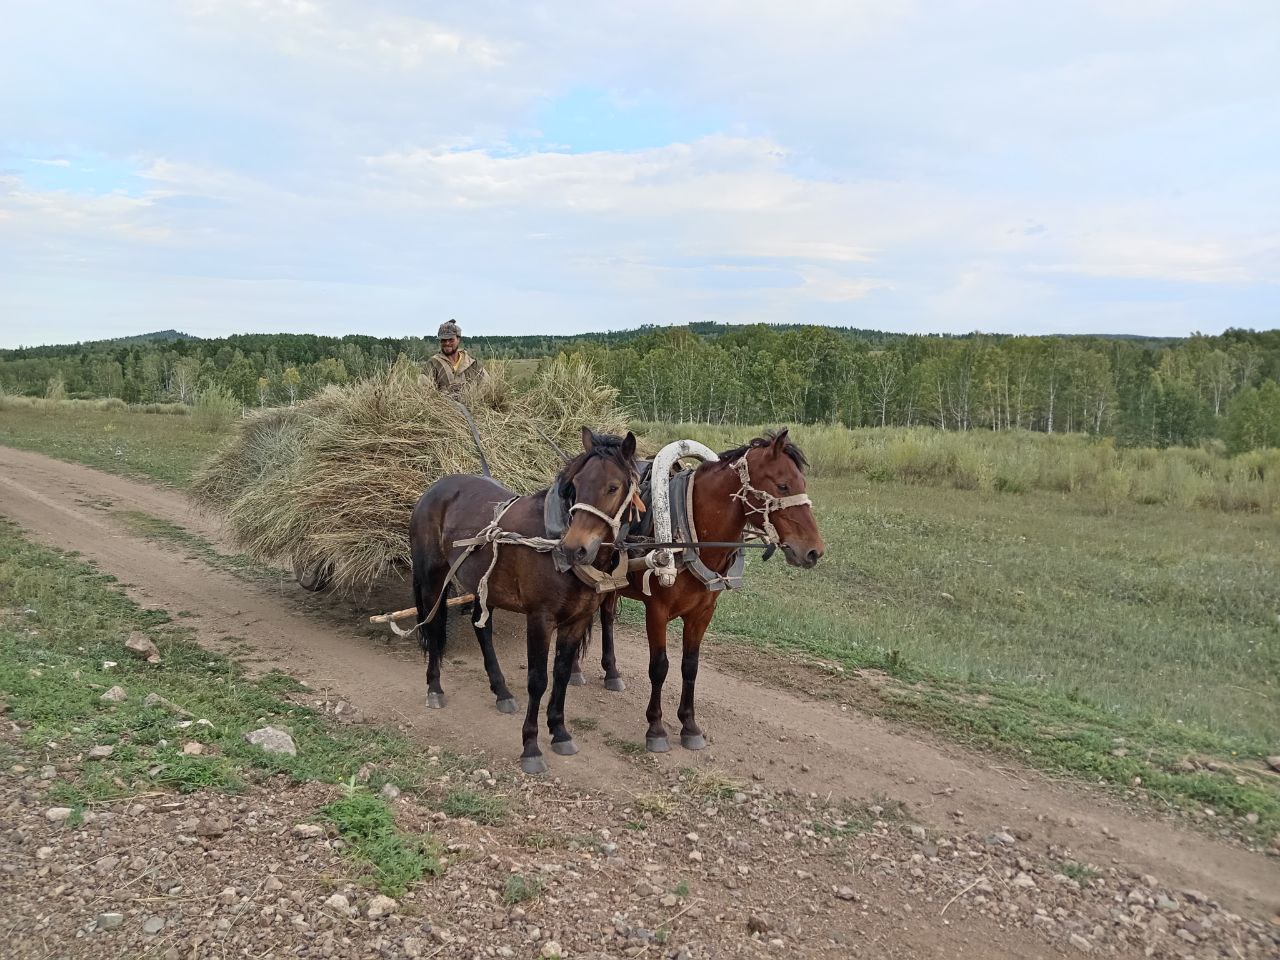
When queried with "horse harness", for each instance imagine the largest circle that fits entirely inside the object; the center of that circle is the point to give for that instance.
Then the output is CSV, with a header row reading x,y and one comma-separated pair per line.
x,y
685,531
492,533
557,514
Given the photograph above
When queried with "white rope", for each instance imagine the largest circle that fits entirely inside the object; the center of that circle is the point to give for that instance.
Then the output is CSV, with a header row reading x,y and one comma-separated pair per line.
x,y
492,533
614,522
769,503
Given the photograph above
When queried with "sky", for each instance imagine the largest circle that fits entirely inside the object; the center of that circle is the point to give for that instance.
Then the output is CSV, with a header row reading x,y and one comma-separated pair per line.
x,y
379,166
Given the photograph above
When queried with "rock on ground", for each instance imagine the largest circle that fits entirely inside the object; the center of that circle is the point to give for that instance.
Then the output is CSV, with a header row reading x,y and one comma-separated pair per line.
x,y
273,740
140,645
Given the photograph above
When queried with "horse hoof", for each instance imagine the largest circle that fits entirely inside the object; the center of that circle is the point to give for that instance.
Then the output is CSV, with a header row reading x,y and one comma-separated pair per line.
x,y
566,748
533,765
615,684
435,701
508,705
656,744
693,741
577,679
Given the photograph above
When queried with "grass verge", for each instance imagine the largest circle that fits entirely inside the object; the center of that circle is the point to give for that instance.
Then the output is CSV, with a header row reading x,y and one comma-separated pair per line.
x,y
62,632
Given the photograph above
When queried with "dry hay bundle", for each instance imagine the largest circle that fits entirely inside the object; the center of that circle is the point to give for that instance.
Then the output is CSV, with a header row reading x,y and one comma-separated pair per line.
x,y
333,479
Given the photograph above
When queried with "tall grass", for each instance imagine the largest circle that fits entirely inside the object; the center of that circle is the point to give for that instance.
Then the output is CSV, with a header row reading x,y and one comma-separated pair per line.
x,y
215,410
1021,461
172,409
102,405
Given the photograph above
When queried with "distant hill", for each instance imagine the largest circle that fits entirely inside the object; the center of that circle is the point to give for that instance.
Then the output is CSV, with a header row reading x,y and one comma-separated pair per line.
x,y
160,336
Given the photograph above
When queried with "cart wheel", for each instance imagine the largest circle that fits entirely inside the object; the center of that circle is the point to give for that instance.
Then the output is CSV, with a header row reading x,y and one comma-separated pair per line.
x,y
314,577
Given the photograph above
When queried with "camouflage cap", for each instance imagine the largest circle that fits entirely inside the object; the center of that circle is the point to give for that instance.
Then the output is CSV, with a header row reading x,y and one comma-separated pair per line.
x,y
448,330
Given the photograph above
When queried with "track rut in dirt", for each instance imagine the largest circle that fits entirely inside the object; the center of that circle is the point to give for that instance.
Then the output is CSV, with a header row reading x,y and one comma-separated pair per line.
x,y
774,735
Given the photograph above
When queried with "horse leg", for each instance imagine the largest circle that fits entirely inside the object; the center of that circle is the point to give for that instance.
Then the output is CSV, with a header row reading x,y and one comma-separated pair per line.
x,y
537,643
695,625
497,682
655,624
608,614
568,642
576,679
431,635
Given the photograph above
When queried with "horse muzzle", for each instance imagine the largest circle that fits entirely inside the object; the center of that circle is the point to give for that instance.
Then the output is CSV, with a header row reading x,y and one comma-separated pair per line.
x,y
802,557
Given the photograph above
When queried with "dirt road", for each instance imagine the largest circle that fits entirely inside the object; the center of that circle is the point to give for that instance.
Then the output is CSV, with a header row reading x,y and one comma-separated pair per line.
x,y
758,733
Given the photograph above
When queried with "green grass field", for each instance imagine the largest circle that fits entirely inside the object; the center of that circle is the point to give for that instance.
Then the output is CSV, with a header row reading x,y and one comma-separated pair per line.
x,y
1108,640
159,447
1169,613
1141,644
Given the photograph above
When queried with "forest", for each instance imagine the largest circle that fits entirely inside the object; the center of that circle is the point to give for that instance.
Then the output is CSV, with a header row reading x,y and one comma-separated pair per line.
x,y
1142,391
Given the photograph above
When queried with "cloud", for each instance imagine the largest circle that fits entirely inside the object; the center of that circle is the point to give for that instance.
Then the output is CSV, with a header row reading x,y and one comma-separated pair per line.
x,y
330,32
1146,257
556,167
50,223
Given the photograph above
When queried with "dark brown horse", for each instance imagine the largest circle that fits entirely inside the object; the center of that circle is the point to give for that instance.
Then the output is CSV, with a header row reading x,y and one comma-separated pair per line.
x,y
599,482
728,500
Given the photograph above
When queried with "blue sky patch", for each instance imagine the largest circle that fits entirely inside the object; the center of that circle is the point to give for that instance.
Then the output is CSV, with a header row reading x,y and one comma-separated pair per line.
x,y
590,119
85,173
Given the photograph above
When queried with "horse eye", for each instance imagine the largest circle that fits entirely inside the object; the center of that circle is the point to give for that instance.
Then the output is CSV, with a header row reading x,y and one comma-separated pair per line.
x,y
614,488
784,488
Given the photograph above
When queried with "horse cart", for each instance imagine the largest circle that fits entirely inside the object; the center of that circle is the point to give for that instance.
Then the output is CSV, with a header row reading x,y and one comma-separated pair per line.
x,y
335,486
326,486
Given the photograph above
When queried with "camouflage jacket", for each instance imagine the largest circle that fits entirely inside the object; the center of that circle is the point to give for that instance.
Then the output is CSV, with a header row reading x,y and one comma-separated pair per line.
x,y
452,379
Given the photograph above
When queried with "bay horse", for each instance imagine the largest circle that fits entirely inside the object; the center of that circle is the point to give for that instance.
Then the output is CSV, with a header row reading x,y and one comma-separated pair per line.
x,y
759,486
601,483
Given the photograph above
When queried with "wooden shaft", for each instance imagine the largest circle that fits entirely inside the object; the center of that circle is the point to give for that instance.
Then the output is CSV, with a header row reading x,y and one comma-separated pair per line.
x,y
413,611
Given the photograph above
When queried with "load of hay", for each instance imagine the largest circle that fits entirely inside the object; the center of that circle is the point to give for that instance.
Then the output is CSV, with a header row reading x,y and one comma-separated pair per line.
x,y
333,480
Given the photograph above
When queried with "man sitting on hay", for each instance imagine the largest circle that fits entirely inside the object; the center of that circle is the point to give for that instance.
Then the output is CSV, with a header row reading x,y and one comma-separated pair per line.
x,y
453,368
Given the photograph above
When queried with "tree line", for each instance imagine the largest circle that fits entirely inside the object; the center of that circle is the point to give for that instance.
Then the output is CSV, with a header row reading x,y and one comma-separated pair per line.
x,y
1148,392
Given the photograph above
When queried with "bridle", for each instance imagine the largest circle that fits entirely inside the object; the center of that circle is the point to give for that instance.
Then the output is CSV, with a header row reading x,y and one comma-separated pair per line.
x,y
614,523
599,580
768,503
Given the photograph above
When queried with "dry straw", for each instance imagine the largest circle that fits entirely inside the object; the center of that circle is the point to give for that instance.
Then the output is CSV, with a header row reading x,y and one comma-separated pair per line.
x,y
334,478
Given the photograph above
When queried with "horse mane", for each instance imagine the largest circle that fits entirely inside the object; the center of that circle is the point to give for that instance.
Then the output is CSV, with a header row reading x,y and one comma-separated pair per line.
x,y
790,449
606,445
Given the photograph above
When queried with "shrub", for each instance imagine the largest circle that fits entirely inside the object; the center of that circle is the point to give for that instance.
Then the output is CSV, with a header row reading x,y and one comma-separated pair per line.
x,y
519,888
215,410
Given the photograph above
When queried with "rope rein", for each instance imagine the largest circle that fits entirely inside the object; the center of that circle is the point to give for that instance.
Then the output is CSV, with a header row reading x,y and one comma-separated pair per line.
x,y
764,505
492,533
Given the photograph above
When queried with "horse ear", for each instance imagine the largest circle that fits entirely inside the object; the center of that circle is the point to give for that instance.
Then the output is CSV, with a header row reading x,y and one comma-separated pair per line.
x,y
629,445
780,440
588,439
